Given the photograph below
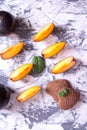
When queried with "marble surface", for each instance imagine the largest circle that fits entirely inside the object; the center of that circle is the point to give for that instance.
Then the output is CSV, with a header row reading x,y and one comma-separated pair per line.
x,y
41,112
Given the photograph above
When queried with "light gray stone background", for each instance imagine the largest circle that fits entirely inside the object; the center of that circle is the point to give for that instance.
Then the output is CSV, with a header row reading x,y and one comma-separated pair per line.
x,y
41,112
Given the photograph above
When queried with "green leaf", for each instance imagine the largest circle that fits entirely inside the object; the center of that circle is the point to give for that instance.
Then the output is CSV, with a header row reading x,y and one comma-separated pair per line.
x,y
39,64
63,92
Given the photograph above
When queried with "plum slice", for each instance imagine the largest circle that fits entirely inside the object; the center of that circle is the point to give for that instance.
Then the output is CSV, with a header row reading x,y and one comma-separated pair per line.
x,y
7,22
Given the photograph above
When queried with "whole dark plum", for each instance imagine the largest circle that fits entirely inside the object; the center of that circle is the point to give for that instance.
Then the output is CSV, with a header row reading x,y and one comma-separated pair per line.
x,y
4,96
7,22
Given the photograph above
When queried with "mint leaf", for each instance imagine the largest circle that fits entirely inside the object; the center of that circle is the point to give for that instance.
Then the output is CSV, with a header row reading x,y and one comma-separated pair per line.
x,y
63,92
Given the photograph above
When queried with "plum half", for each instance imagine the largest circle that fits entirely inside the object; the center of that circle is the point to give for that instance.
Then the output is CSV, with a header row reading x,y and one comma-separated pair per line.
x,y
7,22
4,96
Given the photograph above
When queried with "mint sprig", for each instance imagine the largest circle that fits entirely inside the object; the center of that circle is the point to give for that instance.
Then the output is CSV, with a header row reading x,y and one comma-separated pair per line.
x,y
63,92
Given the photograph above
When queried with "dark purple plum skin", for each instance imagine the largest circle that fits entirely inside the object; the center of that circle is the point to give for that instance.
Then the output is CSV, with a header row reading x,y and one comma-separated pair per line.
x,y
4,96
7,22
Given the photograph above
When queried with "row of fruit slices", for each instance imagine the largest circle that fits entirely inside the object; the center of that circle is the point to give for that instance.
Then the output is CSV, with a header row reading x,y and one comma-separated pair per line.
x,y
48,52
